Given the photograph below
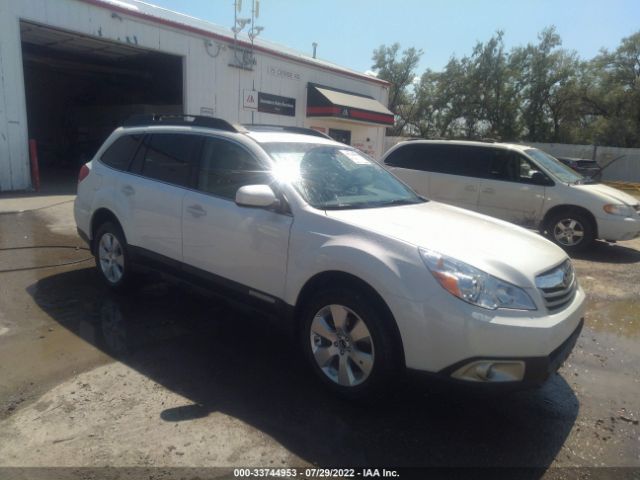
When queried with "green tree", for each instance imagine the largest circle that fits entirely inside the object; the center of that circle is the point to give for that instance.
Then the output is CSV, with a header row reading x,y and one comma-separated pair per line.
x,y
493,80
612,95
544,74
400,71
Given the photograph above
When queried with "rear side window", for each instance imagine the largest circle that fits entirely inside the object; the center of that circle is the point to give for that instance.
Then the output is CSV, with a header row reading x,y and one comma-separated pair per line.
x,y
168,157
449,159
407,156
225,167
120,153
462,160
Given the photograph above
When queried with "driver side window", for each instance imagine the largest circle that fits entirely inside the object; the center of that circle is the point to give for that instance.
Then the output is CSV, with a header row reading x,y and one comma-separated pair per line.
x,y
510,166
226,166
527,172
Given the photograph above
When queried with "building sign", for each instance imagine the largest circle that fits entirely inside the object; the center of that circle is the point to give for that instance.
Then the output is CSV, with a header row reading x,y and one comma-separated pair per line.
x,y
250,99
277,105
281,73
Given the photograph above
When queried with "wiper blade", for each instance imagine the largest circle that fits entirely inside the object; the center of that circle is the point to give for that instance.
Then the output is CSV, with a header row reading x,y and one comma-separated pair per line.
x,y
399,202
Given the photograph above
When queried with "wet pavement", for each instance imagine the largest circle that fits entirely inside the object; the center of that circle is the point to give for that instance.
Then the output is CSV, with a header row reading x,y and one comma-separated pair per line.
x,y
170,376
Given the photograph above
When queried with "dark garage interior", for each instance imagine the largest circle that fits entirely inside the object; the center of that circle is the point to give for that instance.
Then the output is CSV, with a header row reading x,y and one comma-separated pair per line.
x,y
79,89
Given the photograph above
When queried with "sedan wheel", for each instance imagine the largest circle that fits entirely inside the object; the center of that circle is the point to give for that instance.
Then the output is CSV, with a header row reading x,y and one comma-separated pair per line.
x,y
342,345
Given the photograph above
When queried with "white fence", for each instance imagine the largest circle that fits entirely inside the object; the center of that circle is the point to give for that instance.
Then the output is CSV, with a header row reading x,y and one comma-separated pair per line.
x,y
625,166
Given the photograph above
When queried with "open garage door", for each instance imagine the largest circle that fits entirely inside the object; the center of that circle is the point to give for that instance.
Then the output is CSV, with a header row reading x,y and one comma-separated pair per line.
x,y
80,88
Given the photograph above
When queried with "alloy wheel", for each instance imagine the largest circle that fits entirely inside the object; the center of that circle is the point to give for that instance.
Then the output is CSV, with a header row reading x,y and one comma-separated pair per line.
x,y
342,345
568,232
111,257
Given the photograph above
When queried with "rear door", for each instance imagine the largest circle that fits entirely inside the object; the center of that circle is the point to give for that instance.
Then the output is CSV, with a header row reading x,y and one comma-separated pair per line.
x,y
455,178
239,246
511,190
154,191
410,164
445,173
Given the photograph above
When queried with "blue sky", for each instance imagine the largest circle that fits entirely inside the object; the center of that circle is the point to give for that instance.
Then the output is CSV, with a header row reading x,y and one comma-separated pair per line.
x,y
347,31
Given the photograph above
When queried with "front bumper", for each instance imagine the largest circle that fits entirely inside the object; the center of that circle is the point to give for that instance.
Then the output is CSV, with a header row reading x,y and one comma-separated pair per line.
x,y
536,369
618,228
443,335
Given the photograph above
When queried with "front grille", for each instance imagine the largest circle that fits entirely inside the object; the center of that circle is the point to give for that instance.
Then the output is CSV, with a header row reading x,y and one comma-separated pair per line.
x,y
558,286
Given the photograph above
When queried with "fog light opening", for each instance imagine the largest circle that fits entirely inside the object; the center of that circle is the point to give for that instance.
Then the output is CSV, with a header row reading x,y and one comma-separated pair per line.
x,y
491,371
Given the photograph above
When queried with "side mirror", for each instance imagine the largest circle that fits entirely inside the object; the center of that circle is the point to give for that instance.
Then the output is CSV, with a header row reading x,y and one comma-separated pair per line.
x,y
257,196
539,178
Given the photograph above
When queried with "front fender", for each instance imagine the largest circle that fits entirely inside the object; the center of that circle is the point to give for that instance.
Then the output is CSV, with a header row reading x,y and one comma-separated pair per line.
x,y
389,266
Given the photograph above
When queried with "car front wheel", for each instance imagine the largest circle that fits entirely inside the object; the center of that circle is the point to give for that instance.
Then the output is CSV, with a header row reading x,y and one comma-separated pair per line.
x,y
350,343
571,230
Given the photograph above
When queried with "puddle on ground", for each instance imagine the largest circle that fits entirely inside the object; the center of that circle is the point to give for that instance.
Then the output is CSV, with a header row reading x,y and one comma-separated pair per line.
x,y
620,317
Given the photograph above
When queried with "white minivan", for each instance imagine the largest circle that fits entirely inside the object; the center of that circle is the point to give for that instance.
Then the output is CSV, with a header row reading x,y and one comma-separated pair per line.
x,y
519,184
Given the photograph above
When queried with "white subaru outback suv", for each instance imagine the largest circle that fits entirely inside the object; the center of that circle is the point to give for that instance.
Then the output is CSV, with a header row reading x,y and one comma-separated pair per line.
x,y
374,279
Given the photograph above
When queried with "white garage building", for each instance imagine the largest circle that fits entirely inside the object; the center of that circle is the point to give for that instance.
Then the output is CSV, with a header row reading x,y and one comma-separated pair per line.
x,y
72,70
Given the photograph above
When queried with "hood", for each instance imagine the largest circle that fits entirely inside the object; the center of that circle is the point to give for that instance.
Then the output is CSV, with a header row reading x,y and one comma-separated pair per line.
x,y
499,248
611,194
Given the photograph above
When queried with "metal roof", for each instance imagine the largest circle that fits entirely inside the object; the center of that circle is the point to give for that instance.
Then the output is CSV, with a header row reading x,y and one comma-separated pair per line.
x,y
156,14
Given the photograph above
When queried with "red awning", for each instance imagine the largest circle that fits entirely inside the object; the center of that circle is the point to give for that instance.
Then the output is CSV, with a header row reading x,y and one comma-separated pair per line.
x,y
327,102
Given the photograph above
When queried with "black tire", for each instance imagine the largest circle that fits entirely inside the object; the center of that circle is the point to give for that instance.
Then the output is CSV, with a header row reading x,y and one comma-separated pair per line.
x,y
583,225
116,282
387,363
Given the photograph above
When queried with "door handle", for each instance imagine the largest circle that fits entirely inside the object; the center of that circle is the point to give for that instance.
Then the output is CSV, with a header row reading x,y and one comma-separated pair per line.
x,y
196,211
488,190
128,190
470,188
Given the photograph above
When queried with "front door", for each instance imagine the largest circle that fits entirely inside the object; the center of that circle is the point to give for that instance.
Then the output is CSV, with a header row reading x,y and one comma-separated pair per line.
x,y
512,189
246,246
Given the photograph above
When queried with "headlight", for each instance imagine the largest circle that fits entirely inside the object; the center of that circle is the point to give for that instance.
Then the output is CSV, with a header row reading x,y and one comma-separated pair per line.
x,y
621,210
475,286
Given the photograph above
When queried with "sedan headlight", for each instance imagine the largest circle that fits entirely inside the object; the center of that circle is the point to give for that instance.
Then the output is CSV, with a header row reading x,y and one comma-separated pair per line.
x,y
475,286
618,209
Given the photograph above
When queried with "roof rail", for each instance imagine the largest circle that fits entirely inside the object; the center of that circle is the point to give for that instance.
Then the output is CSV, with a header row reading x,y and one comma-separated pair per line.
x,y
180,120
261,127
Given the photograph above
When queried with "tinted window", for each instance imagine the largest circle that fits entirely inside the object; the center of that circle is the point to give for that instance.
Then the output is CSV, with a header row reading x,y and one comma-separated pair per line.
x,y
408,156
119,154
449,159
168,157
461,160
225,167
503,166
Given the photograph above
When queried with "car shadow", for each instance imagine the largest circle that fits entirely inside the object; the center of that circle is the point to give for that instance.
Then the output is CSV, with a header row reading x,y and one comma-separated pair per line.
x,y
224,360
604,252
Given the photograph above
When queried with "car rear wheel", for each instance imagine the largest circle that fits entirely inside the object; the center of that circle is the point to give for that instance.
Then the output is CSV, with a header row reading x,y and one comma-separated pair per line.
x,y
111,255
350,343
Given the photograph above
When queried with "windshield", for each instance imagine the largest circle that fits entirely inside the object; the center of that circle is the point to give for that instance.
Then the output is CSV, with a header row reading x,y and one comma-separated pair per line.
x,y
555,167
337,177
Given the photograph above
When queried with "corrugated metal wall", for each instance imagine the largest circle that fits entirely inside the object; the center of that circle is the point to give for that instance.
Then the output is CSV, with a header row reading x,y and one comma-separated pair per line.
x,y
210,83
